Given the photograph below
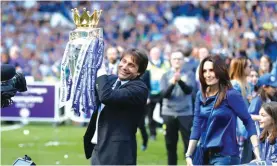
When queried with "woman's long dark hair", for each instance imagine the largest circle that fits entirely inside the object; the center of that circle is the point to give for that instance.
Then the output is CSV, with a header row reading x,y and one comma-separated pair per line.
x,y
262,93
271,110
221,73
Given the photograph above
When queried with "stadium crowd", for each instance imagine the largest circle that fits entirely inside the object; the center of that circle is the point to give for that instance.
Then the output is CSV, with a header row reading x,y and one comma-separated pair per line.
x,y
34,35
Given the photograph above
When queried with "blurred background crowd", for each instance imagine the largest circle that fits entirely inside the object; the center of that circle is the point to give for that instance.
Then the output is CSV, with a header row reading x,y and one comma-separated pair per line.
x,y
34,33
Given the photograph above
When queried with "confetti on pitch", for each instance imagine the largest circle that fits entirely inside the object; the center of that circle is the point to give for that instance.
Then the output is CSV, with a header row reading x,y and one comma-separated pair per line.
x,y
26,132
65,156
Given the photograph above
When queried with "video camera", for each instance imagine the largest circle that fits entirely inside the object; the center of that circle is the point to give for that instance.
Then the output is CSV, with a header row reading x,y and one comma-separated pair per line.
x,y
11,82
26,160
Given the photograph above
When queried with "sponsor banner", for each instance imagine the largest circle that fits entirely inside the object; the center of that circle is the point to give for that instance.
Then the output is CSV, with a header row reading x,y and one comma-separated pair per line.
x,y
38,103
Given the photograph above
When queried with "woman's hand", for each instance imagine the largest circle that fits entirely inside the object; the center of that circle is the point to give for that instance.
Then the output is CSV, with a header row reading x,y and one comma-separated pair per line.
x,y
255,160
189,161
191,148
256,148
255,117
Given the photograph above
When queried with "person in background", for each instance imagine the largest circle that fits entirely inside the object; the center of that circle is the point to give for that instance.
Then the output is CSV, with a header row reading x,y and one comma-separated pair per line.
x,y
217,108
113,60
5,58
238,72
203,52
265,65
177,113
252,79
156,67
146,79
190,62
268,138
266,89
274,68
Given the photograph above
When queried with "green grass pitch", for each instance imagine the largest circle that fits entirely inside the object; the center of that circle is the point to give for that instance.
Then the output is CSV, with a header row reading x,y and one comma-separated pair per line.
x,y
62,145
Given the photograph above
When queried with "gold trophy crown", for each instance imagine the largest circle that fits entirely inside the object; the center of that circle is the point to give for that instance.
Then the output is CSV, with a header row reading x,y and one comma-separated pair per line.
x,y
86,20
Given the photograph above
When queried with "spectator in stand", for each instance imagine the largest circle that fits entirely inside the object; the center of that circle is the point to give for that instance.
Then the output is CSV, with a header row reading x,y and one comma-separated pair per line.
x,y
203,52
252,79
268,138
112,55
265,65
266,89
251,31
5,58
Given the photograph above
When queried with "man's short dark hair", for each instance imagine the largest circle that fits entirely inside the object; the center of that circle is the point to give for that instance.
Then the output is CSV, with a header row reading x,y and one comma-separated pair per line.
x,y
140,58
186,52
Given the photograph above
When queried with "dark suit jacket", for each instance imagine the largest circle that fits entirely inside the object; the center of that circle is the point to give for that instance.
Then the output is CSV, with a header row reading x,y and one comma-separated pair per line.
x,y
118,122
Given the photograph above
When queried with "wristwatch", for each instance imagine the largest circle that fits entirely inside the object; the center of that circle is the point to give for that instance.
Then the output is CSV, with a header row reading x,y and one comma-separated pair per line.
x,y
188,156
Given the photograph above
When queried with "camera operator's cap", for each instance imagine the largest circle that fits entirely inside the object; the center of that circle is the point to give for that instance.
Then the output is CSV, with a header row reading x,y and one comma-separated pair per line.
x,y
268,80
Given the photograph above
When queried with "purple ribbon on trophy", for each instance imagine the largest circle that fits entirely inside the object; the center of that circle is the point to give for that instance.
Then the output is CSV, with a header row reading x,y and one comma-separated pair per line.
x,y
81,60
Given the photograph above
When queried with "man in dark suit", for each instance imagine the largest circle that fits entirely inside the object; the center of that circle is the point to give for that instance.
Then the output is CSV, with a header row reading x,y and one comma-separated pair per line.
x,y
110,138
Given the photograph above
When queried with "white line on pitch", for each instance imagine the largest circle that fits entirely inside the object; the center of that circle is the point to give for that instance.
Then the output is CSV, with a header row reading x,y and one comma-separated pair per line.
x,y
9,128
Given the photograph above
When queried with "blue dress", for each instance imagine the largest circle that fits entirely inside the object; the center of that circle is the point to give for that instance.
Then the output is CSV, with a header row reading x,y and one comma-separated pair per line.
x,y
221,131
241,131
242,134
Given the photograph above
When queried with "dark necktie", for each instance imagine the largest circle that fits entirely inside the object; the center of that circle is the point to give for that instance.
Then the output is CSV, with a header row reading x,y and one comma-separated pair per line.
x,y
118,83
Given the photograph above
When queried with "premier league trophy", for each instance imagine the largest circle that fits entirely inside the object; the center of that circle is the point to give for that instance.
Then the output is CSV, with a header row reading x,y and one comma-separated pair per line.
x,y
82,58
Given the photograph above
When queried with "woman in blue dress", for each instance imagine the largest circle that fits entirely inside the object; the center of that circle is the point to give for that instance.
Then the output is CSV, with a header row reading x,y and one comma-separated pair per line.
x,y
217,107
